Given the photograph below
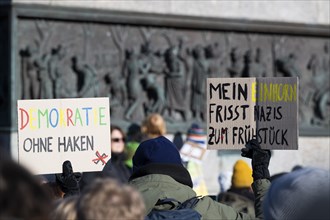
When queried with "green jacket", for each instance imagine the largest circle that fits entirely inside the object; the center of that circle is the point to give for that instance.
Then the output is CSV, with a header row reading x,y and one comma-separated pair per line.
x,y
159,186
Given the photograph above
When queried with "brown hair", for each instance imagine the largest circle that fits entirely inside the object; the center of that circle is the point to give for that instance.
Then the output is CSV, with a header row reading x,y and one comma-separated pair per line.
x,y
106,199
115,127
66,209
22,197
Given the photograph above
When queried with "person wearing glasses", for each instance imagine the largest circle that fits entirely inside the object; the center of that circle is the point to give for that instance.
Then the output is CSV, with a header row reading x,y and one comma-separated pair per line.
x,y
116,167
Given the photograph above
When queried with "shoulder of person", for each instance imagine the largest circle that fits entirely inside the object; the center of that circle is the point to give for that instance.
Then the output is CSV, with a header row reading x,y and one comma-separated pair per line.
x,y
211,209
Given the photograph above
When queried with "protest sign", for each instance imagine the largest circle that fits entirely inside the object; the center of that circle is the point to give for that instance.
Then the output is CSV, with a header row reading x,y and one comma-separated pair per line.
x,y
51,131
239,109
192,151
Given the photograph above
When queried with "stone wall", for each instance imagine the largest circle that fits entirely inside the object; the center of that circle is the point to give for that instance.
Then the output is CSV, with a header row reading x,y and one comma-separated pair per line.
x,y
313,151
309,12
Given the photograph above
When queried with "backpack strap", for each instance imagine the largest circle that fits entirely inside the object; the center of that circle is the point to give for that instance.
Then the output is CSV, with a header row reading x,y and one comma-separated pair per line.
x,y
173,202
190,203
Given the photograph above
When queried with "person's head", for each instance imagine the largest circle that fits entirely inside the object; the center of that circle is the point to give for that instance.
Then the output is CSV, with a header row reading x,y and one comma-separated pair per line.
x,y
134,133
159,156
300,195
196,133
158,150
117,139
154,126
65,209
106,199
242,175
21,195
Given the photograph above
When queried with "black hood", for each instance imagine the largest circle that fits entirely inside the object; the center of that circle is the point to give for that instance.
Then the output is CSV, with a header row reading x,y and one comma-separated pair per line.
x,y
177,172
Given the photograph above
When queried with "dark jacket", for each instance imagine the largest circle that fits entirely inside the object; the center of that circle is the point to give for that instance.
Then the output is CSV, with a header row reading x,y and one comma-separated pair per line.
x,y
159,181
116,168
88,178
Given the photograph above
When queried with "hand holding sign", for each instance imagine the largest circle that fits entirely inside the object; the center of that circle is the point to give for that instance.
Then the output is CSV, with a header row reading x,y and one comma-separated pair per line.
x,y
68,180
260,159
241,109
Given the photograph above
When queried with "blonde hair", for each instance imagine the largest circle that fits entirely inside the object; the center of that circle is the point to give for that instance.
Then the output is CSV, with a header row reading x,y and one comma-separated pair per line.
x,y
106,199
65,209
154,126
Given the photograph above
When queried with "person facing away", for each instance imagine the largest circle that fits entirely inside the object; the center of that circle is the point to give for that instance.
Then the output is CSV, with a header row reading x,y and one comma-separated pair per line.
x,y
134,138
107,199
153,126
302,194
196,136
21,195
240,195
116,167
158,174
65,209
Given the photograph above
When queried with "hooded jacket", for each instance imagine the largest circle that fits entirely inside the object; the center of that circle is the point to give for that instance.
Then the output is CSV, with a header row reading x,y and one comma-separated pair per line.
x,y
158,174
154,184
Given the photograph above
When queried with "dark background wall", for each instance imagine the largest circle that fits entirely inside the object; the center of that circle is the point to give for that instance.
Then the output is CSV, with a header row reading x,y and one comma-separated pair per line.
x,y
301,39
5,79
54,52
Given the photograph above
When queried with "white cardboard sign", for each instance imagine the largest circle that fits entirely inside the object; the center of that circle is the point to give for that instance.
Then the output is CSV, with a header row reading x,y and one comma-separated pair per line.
x,y
193,151
239,109
51,131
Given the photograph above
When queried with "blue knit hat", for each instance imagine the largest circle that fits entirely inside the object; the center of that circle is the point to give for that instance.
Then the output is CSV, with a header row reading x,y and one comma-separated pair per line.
x,y
156,150
301,194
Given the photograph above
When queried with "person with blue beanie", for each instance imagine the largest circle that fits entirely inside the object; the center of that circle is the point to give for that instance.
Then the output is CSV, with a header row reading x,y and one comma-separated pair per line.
x,y
158,174
159,156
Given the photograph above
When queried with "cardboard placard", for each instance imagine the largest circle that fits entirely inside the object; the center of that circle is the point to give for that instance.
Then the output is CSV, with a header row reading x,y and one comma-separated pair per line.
x,y
239,109
192,151
51,131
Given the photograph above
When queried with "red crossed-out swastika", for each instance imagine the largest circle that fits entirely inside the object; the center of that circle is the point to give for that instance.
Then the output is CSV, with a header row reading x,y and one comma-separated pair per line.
x,y
100,158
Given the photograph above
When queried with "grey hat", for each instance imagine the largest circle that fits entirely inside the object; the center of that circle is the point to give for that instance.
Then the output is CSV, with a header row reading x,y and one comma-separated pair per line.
x,y
301,194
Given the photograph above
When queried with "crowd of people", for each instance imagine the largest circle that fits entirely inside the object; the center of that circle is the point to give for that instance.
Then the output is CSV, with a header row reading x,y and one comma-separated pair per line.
x,y
146,175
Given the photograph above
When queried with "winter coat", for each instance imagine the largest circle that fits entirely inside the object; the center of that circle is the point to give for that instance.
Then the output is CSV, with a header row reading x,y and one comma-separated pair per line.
x,y
155,184
116,168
